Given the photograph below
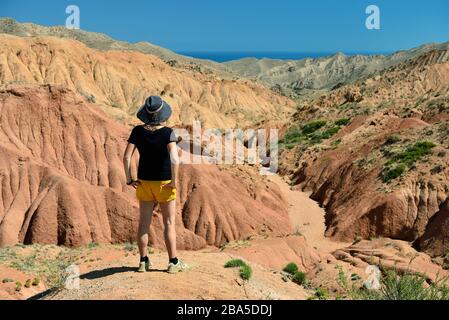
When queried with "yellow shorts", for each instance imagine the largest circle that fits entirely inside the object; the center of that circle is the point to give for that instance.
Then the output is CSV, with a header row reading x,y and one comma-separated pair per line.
x,y
155,191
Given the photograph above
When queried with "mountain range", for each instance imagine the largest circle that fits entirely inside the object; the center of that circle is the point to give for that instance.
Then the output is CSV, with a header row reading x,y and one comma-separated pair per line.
x,y
293,78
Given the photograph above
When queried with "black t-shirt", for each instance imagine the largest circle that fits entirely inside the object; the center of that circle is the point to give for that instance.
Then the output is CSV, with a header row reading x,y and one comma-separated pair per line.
x,y
154,162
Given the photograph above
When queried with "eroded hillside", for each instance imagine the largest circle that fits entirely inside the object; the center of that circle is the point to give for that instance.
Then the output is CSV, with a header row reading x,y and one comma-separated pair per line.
x,y
375,154
62,181
300,77
103,42
119,81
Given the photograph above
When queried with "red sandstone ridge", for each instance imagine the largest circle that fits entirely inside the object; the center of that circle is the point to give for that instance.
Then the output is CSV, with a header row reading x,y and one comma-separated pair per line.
x,y
62,181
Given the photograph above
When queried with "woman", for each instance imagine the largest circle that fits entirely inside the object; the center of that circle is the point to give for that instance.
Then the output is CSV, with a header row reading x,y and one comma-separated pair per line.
x,y
157,177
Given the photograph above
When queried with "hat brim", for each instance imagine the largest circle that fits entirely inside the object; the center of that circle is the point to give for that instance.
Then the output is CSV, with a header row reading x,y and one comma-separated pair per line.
x,y
155,118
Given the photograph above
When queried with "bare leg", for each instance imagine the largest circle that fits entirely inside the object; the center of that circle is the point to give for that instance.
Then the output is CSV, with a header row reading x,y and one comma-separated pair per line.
x,y
146,212
169,214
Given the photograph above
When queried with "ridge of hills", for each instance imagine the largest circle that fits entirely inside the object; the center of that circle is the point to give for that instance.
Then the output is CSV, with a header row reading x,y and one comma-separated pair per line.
x,y
103,42
119,82
294,78
297,77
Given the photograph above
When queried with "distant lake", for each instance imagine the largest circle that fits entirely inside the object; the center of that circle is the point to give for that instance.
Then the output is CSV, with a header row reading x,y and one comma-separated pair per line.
x,y
219,56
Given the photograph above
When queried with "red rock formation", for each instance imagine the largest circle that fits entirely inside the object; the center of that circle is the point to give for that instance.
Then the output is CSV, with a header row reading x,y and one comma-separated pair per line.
x,y
346,181
62,181
344,173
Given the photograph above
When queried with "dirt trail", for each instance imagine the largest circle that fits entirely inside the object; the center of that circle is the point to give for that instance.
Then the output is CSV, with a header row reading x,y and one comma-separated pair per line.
x,y
307,217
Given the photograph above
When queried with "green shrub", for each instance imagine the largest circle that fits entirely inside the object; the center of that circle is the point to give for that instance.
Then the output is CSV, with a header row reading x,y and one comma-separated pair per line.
x,y
18,286
392,139
311,127
28,283
291,268
234,263
404,287
292,138
290,146
55,270
300,277
245,271
406,159
336,142
92,245
321,294
91,98
342,121
355,277
309,133
330,132
27,264
414,153
315,138
35,282
392,174
7,253
6,280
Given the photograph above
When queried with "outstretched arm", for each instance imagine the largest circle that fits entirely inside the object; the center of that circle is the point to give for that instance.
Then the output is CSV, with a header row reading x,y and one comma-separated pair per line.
x,y
173,150
129,151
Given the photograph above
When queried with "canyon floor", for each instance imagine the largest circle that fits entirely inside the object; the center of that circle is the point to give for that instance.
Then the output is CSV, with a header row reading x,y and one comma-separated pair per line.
x,y
307,217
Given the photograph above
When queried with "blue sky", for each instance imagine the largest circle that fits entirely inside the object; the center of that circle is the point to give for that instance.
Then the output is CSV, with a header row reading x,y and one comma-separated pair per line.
x,y
250,25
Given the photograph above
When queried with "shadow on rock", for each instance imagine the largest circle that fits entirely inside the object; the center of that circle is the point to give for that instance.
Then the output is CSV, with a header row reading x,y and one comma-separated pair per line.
x,y
96,274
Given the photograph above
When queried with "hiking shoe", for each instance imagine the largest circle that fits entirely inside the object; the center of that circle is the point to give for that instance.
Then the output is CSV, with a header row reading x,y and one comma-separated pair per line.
x,y
144,266
179,267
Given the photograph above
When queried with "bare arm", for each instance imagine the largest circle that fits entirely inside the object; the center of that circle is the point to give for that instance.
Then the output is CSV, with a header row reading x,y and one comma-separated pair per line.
x,y
129,151
173,150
